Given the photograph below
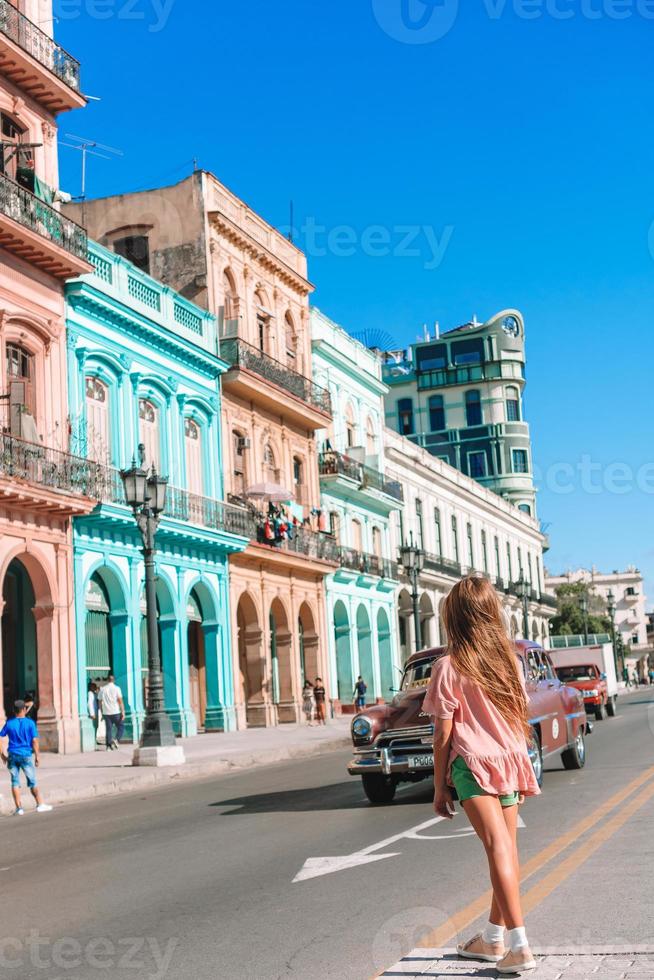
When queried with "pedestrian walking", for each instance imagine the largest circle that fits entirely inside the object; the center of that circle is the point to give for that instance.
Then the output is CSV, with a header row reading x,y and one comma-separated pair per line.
x,y
22,756
113,711
320,697
478,700
359,694
92,706
308,702
651,676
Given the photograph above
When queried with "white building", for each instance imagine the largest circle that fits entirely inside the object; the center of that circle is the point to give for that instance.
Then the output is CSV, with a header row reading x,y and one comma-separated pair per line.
x,y
463,526
630,600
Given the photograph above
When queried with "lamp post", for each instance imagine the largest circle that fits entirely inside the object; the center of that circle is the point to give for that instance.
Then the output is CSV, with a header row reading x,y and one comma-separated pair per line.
x,y
145,493
523,592
583,605
412,560
610,608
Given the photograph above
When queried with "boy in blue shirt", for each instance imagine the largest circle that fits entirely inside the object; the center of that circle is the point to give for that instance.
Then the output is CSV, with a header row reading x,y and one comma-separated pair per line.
x,y
23,738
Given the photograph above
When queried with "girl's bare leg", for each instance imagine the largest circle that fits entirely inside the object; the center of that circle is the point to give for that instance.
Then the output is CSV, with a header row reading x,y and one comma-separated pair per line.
x,y
485,815
510,814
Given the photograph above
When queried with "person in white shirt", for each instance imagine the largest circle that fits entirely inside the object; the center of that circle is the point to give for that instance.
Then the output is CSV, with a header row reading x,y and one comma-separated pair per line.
x,y
113,710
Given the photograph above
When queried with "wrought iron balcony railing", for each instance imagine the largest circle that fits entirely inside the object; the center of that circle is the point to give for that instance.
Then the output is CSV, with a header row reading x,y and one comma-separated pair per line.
x,y
367,564
436,563
50,468
29,211
23,32
240,354
181,505
333,463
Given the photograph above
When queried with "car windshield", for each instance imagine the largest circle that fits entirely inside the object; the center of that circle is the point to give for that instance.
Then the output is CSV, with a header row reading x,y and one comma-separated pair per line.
x,y
417,675
577,673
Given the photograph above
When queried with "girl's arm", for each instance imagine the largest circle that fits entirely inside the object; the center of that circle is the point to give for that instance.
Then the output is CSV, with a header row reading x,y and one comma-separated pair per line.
x,y
443,804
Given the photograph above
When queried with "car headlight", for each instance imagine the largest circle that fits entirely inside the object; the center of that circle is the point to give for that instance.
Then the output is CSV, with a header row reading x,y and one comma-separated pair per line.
x,y
361,727
592,694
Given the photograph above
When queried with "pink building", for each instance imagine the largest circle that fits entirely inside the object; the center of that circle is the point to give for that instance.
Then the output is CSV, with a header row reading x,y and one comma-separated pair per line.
x,y
40,484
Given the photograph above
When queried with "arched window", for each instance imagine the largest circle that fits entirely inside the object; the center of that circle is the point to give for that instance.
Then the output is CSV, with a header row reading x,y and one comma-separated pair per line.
x,y
270,470
299,488
98,432
371,437
473,408
512,405
263,321
239,446
405,416
377,542
193,447
350,427
20,376
149,432
231,300
335,525
357,535
436,413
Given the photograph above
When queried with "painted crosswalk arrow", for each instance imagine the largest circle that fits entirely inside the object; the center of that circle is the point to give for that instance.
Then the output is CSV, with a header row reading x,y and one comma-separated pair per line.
x,y
317,866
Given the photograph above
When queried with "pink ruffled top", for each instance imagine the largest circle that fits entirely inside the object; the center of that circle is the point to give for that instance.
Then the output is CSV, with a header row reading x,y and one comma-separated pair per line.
x,y
494,752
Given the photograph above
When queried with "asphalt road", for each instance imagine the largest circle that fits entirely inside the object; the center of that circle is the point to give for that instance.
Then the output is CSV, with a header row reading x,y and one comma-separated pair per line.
x,y
197,881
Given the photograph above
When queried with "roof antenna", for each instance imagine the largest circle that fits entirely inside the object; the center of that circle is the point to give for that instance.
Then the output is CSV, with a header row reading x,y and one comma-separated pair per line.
x,y
89,148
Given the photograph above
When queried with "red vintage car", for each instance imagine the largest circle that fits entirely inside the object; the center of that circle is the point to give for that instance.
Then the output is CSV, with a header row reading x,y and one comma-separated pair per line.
x,y
393,742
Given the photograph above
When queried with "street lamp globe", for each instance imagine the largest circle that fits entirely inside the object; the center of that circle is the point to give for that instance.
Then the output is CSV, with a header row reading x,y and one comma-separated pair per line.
x,y
157,492
135,482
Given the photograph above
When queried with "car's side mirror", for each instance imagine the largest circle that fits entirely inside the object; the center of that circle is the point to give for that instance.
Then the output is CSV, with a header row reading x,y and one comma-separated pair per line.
x,y
603,677
394,690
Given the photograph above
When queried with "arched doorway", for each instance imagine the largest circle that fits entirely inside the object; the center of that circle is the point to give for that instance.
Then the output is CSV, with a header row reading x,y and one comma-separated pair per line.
x,y
250,661
281,663
344,678
308,640
20,667
388,680
364,645
426,619
197,664
405,612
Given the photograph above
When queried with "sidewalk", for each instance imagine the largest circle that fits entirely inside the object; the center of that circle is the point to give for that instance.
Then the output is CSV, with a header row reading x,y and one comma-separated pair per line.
x,y
581,963
84,776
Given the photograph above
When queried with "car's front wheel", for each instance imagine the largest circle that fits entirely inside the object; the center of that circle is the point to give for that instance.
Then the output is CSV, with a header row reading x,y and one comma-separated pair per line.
x,y
575,756
536,756
380,790
600,712
612,707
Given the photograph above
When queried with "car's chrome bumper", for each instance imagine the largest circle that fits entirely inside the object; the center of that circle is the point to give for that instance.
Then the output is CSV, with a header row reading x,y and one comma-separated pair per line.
x,y
382,761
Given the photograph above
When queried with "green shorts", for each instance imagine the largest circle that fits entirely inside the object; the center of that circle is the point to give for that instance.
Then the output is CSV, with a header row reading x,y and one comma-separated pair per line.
x,y
466,785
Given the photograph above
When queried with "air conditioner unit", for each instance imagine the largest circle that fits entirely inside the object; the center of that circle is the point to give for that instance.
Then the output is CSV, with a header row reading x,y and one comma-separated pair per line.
x,y
243,443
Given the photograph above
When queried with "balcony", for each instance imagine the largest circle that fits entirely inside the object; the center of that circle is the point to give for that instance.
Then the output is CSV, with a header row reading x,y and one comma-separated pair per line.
x,y
631,595
364,564
39,234
445,566
284,392
352,478
36,63
106,487
37,479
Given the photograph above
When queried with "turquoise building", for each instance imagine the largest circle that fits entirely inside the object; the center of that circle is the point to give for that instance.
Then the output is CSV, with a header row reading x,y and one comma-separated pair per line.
x,y
359,497
144,370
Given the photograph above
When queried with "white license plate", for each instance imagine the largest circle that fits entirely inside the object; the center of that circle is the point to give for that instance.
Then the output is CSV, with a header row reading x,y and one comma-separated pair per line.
x,y
421,761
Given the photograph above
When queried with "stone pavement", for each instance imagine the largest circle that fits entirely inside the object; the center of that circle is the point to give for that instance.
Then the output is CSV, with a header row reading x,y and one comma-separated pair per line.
x,y
554,963
84,776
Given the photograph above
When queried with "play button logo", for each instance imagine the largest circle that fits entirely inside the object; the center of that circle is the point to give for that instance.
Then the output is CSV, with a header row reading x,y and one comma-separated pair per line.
x,y
416,21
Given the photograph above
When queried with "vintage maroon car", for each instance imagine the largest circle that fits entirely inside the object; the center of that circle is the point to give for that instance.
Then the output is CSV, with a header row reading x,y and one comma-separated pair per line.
x,y
393,742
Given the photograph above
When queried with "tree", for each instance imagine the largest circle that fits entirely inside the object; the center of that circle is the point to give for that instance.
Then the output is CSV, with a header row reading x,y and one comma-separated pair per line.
x,y
569,620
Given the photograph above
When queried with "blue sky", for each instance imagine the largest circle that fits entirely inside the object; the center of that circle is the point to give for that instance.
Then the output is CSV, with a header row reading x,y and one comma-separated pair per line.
x,y
444,159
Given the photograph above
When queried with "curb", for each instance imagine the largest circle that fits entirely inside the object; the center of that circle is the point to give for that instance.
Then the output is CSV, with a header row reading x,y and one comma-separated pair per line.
x,y
144,778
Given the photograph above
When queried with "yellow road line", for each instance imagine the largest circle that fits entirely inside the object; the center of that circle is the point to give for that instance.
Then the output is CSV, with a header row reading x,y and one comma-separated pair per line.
x,y
465,917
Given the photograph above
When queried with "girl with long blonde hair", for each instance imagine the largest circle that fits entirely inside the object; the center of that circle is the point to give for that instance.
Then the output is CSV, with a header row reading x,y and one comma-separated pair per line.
x,y
478,700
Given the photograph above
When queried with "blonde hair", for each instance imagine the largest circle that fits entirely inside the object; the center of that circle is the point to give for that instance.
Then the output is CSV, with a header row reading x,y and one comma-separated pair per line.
x,y
480,648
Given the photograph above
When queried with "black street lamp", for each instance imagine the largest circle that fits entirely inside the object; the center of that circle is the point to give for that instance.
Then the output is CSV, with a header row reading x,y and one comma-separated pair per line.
x,y
412,560
145,493
524,592
611,608
583,605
